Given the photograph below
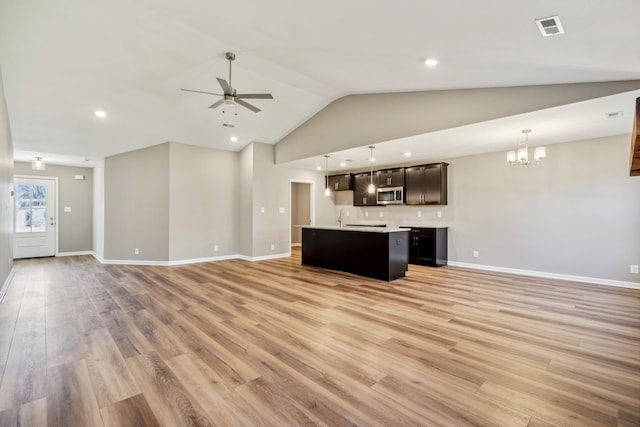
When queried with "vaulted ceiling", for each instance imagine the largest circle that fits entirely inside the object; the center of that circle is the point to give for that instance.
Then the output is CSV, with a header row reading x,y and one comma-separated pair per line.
x,y
63,59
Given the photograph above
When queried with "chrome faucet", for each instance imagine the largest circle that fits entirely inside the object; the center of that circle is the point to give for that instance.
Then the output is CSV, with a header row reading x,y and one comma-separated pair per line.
x,y
340,218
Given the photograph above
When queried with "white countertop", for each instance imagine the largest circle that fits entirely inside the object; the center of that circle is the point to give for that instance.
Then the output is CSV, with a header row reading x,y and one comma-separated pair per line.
x,y
425,224
357,228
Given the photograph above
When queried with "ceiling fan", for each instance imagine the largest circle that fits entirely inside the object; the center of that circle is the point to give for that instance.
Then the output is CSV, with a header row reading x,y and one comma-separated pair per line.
x,y
229,94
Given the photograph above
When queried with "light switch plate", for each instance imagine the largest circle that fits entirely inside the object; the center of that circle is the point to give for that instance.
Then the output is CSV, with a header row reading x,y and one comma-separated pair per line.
x,y
67,208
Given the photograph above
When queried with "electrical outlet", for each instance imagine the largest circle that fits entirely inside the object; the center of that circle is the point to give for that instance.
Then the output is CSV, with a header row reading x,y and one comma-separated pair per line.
x,y
439,214
136,251
419,214
366,214
262,209
215,248
634,268
273,247
381,214
475,254
348,213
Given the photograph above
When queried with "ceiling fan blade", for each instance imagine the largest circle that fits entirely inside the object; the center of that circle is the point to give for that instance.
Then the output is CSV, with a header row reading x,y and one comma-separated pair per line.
x,y
225,85
247,105
217,103
255,96
199,91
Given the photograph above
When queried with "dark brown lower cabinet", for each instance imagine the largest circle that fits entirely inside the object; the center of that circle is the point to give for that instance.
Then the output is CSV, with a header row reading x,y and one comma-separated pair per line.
x,y
428,246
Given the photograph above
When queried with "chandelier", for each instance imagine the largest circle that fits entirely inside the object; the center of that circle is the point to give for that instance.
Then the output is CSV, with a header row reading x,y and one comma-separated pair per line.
x,y
521,157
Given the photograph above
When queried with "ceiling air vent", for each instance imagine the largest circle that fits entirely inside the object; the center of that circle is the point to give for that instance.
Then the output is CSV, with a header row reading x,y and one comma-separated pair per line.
x,y
614,115
550,26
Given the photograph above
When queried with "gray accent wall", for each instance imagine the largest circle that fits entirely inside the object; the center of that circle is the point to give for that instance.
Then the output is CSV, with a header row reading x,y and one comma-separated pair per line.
x,y
98,210
75,228
245,244
204,193
177,202
136,199
575,214
6,188
358,120
271,187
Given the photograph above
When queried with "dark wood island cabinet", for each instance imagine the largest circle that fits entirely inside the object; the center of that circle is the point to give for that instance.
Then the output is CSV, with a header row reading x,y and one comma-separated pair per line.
x,y
378,253
428,246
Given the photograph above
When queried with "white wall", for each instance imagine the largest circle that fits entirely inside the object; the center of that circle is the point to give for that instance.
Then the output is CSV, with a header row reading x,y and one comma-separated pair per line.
x,y
575,214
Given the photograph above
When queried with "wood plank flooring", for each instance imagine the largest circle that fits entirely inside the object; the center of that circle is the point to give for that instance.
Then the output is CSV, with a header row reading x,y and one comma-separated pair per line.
x,y
274,343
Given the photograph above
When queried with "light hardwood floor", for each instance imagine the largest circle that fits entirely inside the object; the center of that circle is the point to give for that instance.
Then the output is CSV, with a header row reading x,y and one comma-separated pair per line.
x,y
273,343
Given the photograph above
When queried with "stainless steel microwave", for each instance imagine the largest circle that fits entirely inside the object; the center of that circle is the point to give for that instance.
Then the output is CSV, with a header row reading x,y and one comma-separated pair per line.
x,y
391,196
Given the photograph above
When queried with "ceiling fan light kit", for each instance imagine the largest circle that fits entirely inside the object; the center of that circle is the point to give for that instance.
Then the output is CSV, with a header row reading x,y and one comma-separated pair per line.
x,y
229,95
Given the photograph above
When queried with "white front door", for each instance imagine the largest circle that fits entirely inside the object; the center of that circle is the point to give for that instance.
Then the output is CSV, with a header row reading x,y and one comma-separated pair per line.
x,y
35,217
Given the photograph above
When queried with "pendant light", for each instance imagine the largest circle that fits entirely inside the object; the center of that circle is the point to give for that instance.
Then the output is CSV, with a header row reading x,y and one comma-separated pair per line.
x,y
327,191
371,188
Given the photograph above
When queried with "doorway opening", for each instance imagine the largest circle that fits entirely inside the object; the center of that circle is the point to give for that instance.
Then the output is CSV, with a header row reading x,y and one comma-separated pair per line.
x,y
301,209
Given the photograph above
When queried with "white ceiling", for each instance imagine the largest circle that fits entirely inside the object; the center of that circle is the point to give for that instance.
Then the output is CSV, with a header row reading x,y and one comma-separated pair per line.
x,y
63,59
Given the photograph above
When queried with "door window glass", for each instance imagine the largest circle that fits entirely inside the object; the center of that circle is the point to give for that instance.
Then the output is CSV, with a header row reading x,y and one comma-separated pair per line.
x,y
31,208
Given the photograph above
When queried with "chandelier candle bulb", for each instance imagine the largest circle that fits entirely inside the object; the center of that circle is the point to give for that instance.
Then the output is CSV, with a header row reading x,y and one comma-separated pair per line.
x,y
540,153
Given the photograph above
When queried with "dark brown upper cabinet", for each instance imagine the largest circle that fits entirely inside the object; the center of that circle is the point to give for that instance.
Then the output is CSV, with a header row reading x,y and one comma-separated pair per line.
x,y
341,182
361,196
390,177
426,184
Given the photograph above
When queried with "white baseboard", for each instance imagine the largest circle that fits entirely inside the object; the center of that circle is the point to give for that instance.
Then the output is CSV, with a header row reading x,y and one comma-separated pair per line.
x,y
516,271
5,285
185,261
198,260
264,257
77,253
546,275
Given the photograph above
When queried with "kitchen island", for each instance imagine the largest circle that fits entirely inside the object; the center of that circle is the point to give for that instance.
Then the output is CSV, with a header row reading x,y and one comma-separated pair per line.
x,y
377,252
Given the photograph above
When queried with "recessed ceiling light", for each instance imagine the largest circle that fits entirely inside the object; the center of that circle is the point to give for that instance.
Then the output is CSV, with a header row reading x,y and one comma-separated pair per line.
x,y
343,164
100,113
318,168
234,139
431,62
407,154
